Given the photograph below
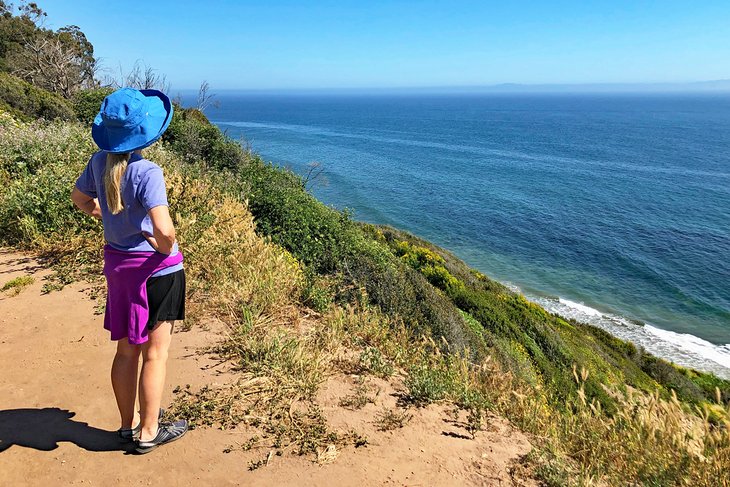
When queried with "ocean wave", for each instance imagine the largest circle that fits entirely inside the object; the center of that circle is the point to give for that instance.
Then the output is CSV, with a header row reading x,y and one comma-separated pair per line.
x,y
469,149
460,148
683,349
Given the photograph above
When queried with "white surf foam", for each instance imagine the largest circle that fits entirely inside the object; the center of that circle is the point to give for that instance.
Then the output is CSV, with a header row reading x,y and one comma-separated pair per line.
x,y
580,307
681,348
685,341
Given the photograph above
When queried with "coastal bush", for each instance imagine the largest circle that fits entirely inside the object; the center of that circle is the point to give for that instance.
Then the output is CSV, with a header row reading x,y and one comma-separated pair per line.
x,y
319,236
329,242
42,161
196,140
27,102
86,103
374,362
426,384
317,292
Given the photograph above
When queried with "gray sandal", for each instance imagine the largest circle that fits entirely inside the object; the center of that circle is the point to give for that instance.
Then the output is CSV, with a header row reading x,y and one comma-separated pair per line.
x,y
166,433
131,434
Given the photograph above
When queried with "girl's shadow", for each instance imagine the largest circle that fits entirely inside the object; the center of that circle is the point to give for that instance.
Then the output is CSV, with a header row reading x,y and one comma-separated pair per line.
x,y
42,429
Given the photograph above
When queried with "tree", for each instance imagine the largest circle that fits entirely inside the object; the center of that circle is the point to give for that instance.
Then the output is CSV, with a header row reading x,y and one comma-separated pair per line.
x,y
55,64
141,77
13,32
59,61
75,41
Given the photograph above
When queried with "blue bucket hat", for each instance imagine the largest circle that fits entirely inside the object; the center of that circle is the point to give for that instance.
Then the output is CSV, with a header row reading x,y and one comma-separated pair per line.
x,y
131,119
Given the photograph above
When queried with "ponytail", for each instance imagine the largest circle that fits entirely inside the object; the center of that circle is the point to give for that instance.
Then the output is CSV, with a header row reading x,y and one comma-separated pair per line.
x,y
116,165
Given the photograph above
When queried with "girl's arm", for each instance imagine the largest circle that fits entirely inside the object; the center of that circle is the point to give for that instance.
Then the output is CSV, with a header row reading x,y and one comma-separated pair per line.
x,y
86,203
163,237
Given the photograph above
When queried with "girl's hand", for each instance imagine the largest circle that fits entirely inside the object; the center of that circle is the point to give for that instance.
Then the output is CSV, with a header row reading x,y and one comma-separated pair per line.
x,y
151,241
163,230
96,211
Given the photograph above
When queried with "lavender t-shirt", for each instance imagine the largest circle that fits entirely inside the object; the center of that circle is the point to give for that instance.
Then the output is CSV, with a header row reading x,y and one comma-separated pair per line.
x,y
142,188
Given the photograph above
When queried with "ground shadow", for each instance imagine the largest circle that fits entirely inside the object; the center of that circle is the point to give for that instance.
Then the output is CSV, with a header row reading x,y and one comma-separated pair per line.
x,y
43,429
20,264
454,434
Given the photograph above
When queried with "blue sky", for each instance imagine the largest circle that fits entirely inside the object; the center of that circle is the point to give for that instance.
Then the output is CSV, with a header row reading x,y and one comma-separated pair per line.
x,y
375,44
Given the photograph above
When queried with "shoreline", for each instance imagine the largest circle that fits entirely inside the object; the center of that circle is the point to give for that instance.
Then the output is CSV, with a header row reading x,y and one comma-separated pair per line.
x,y
683,349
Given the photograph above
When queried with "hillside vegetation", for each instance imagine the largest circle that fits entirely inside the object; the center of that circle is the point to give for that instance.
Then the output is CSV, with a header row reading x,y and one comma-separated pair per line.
x,y
27,102
305,291
262,254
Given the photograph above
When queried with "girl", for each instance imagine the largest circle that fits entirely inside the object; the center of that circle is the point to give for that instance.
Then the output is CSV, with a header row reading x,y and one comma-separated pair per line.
x,y
142,264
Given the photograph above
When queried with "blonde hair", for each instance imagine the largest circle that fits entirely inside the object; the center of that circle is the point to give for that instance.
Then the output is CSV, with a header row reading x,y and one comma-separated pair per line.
x,y
116,165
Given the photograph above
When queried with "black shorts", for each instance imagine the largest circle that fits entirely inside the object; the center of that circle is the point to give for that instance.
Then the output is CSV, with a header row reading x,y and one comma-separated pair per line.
x,y
166,298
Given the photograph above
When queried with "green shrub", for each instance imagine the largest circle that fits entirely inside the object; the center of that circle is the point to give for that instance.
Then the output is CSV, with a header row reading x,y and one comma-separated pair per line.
x,y
427,384
38,207
373,361
86,103
28,102
195,139
318,235
316,292
43,161
330,242
29,147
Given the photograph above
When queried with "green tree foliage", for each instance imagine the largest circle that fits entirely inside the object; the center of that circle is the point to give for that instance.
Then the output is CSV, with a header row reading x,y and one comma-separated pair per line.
x,y
13,31
59,61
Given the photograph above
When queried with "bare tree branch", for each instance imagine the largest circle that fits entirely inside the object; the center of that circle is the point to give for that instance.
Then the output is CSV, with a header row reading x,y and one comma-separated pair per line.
x,y
314,175
205,99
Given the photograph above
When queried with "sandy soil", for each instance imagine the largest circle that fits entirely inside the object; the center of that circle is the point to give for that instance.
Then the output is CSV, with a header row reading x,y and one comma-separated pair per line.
x,y
57,414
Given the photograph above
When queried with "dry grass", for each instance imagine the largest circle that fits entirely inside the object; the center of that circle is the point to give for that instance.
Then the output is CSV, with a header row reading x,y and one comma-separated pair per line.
x,y
392,419
650,440
280,360
363,394
232,271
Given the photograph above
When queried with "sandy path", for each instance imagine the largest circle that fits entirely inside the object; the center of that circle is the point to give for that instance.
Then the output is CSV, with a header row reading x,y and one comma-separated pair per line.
x,y
57,410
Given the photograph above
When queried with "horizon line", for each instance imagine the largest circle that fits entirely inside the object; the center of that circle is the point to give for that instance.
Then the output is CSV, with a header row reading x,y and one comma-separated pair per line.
x,y
714,86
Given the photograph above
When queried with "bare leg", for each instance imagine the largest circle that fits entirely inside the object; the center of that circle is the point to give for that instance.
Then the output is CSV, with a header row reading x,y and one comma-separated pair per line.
x,y
152,379
124,379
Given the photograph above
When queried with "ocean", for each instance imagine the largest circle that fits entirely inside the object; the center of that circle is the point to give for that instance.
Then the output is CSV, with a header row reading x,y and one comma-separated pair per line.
x,y
613,209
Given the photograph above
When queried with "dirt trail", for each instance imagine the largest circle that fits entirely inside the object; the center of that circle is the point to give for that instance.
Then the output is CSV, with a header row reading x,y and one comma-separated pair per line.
x,y
57,412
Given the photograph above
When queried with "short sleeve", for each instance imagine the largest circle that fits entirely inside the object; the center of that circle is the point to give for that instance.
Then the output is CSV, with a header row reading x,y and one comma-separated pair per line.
x,y
86,182
151,191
